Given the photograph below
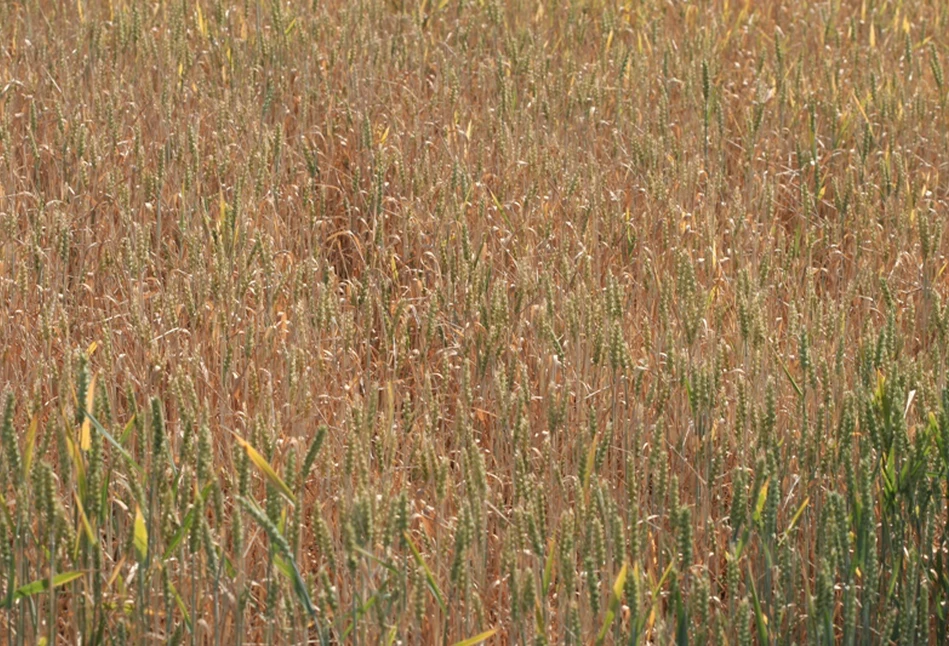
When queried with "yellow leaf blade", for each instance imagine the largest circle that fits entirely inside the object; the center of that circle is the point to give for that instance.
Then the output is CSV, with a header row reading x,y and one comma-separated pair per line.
x,y
477,639
85,436
619,583
140,537
264,467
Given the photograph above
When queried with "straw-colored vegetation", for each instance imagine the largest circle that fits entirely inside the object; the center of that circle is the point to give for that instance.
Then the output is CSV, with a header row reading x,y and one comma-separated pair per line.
x,y
423,321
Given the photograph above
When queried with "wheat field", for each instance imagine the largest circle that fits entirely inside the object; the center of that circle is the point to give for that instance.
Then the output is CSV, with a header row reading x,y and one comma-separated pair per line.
x,y
463,321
